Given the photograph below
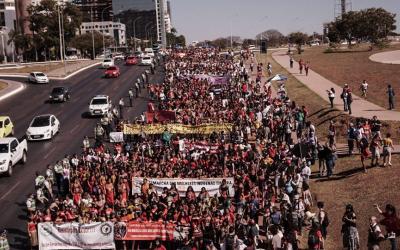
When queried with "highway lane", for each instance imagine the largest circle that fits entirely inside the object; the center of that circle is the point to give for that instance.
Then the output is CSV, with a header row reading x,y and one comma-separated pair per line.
x,y
74,126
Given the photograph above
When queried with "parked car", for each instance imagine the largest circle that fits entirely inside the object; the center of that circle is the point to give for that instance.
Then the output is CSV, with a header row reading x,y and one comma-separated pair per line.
x,y
6,126
131,60
38,77
108,62
12,151
112,71
43,127
146,61
60,94
100,105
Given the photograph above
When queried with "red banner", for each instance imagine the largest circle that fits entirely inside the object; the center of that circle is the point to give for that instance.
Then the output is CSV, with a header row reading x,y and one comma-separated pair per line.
x,y
135,230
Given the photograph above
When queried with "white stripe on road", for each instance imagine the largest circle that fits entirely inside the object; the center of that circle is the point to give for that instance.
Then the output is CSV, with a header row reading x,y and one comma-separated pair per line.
x,y
49,153
9,191
75,128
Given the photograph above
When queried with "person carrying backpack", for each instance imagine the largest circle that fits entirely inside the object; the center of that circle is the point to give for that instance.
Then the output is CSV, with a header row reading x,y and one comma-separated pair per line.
x,y
315,239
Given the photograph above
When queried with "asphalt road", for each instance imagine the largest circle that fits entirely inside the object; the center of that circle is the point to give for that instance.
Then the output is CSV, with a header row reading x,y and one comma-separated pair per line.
x,y
74,126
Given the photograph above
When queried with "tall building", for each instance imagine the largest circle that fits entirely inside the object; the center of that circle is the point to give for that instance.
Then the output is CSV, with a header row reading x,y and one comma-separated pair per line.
x,y
108,28
22,15
8,22
98,10
144,19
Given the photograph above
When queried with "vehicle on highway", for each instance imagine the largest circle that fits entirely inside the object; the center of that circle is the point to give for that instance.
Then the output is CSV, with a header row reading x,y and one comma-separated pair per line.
x,y
146,61
38,77
12,151
72,57
108,62
118,56
100,105
60,94
149,52
131,60
112,71
138,54
43,127
6,126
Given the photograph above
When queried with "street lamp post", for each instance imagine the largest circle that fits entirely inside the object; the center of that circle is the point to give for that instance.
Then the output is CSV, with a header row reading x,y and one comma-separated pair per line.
x,y
102,20
145,30
63,41
91,19
60,34
134,30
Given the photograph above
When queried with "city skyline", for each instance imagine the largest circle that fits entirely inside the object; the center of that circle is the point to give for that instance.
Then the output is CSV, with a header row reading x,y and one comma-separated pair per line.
x,y
201,20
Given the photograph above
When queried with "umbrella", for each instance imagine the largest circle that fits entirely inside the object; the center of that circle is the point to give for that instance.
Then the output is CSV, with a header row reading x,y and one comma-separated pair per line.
x,y
277,77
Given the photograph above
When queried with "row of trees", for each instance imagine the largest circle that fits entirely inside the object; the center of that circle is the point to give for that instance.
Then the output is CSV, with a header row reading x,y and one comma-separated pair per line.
x,y
372,25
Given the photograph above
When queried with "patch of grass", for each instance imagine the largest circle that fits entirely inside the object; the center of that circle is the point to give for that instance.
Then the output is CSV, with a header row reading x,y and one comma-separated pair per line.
x,y
352,66
45,68
3,85
351,185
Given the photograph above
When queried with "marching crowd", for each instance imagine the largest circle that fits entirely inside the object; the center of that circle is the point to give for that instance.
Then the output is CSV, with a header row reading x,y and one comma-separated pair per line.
x,y
271,200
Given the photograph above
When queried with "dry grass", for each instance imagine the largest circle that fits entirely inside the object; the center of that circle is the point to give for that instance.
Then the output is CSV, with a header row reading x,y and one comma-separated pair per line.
x,y
352,67
45,68
3,85
351,185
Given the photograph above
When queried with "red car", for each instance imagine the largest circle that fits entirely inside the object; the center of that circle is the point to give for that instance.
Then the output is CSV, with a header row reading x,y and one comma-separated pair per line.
x,y
112,71
131,60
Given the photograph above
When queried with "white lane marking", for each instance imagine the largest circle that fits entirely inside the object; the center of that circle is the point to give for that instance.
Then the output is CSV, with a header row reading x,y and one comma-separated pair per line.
x,y
9,191
75,128
50,152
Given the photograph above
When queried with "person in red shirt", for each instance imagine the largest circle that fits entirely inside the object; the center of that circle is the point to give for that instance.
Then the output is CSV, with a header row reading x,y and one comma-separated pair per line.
x,y
159,246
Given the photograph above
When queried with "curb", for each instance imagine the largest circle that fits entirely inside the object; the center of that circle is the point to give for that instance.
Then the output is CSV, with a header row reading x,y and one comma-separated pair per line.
x,y
13,92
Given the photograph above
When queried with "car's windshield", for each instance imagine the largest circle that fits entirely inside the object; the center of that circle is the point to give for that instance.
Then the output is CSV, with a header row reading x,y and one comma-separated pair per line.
x,y
112,68
40,74
41,121
131,58
3,148
107,60
146,58
99,101
57,91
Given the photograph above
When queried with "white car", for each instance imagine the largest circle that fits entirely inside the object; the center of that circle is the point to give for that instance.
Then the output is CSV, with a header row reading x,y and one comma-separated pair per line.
x,y
43,127
38,77
12,151
149,52
146,61
118,56
100,105
108,62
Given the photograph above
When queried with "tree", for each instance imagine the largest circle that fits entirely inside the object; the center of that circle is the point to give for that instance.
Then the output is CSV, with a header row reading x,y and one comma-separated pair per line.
x,y
84,43
298,38
22,42
221,43
44,23
173,39
274,37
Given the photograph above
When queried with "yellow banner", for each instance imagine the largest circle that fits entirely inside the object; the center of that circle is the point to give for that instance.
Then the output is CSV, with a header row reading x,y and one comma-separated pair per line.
x,y
135,129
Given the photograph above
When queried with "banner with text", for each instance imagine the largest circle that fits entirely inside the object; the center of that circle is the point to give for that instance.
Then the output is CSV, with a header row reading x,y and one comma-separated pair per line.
x,y
136,129
97,235
135,230
211,184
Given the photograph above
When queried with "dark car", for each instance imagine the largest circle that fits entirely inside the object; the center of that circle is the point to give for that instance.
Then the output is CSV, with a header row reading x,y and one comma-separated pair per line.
x,y
60,94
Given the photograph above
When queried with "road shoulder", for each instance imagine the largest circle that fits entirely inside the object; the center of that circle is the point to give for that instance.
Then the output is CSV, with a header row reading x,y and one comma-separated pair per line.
x,y
12,88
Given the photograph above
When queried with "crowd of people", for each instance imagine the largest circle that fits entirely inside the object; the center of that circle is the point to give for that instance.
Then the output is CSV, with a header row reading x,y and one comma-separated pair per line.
x,y
271,202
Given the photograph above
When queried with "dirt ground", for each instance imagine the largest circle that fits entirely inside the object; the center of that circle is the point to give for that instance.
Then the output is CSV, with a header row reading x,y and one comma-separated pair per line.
x,y
3,85
352,67
45,68
351,185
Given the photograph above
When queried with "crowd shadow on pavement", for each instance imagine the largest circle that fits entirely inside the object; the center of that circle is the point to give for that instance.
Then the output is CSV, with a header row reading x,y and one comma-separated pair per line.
x,y
341,175
20,239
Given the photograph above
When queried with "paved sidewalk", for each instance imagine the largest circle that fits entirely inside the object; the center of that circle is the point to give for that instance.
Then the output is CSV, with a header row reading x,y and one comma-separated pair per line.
x,y
320,85
389,57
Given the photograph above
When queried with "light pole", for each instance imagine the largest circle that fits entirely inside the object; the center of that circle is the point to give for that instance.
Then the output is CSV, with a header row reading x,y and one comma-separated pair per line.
x,y
91,19
60,33
134,30
102,13
145,30
63,41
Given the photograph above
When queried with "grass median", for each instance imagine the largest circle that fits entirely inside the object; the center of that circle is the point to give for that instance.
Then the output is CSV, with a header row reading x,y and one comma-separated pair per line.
x,y
45,68
3,85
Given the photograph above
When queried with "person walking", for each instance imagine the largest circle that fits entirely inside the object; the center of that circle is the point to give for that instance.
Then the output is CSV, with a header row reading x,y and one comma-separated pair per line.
x,y
291,61
130,93
269,69
121,105
349,100
391,94
301,65
323,218
387,150
375,235
349,229
391,223
307,67
137,89
344,97
331,96
364,89
99,133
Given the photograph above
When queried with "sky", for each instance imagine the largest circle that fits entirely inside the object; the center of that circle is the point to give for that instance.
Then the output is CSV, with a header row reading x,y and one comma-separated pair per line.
x,y
202,20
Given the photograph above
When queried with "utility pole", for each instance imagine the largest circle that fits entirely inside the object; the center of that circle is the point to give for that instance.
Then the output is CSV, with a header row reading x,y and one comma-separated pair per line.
x,y
134,31
59,30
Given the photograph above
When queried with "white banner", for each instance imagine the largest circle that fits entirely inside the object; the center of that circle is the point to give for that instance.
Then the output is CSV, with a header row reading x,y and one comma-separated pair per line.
x,y
116,137
211,185
97,235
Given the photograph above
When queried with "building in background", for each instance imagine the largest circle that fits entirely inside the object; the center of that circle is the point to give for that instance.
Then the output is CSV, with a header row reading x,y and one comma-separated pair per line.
x,y
113,29
8,22
99,10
